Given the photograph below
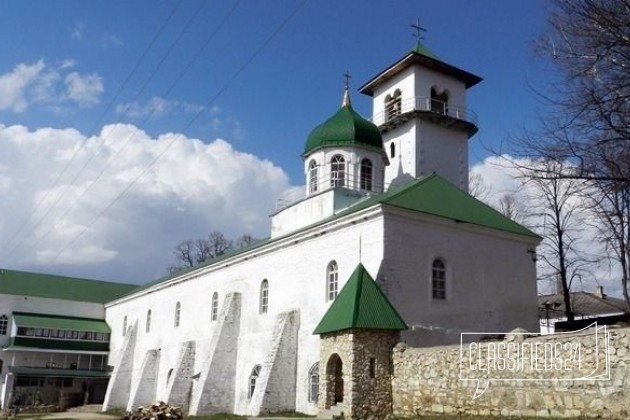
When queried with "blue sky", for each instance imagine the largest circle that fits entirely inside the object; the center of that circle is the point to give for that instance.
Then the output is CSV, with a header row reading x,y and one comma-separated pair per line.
x,y
79,79
294,82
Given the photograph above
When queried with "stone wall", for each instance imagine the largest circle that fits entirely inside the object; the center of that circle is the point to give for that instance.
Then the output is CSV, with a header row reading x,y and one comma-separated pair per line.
x,y
581,380
366,373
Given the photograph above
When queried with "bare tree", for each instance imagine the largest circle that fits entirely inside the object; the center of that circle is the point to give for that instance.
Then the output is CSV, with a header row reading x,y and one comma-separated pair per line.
x,y
217,244
243,241
557,209
511,208
589,117
477,187
587,120
612,206
192,252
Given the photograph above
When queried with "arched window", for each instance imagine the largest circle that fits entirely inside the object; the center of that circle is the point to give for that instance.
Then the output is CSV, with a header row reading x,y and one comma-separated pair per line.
x,y
366,174
124,328
4,324
393,105
312,176
252,380
337,171
313,383
215,307
332,280
264,297
392,150
148,324
178,312
438,279
439,102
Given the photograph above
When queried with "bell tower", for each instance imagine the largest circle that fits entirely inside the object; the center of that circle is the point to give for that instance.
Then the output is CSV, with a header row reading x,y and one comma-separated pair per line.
x,y
419,105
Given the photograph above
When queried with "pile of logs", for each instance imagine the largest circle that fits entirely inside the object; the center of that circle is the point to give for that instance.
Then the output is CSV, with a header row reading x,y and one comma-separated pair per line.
x,y
157,411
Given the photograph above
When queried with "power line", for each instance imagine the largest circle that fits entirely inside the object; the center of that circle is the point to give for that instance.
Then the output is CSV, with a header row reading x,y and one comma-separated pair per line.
x,y
91,131
170,143
113,158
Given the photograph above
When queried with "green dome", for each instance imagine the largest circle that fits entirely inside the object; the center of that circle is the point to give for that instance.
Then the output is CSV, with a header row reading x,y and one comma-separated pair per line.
x,y
345,128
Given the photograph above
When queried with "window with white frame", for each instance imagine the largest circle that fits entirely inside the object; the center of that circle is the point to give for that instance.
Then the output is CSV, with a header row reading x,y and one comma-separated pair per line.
x,y
366,175
332,280
215,307
312,177
438,280
4,324
337,171
148,323
313,383
264,297
178,312
252,380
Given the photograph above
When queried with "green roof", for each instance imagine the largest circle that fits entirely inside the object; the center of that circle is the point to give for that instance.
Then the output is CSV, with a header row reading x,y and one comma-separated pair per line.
x,y
360,305
431,194
59,287
58,373
422,56
48,344
345,128
421,49
436,196
57,322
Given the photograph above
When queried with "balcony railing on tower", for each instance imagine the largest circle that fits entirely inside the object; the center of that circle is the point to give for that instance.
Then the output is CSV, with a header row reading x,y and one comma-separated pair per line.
x,y
424,104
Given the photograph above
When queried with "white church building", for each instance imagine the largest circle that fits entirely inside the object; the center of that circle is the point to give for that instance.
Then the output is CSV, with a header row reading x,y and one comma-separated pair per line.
x,y
387,196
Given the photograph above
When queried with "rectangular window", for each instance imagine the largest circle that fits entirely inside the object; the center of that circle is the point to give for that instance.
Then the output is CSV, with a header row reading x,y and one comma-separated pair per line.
x,y
372,367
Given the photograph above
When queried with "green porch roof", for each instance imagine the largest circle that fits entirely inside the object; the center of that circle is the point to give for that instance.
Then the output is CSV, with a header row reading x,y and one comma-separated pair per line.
x,y
59,287
58,373
23,319
360,305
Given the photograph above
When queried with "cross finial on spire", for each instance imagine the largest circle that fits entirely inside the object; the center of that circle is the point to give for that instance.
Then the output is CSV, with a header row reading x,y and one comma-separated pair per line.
x,y
346,93
419,30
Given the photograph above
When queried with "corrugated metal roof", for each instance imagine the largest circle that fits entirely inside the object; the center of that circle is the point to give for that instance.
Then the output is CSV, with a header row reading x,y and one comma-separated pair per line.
x,y
436,196
582,304
360,305
423,56
430,194
59,287
23,319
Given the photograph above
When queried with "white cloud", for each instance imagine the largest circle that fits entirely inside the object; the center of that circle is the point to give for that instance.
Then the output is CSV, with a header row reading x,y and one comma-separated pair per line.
x,y
84,89
193,188
13,85
111,40
77,32
50,86
158,107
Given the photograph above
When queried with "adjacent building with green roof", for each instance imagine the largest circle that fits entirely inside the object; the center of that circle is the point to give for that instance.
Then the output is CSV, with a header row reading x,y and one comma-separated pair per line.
x,y
54,337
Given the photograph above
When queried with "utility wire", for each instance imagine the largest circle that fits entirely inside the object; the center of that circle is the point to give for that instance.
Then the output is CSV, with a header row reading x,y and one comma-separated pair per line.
x,y
170,143
112,159
39,203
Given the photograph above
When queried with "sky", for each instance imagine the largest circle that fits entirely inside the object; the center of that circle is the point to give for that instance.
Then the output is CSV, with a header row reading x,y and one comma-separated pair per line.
x,y
127,127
